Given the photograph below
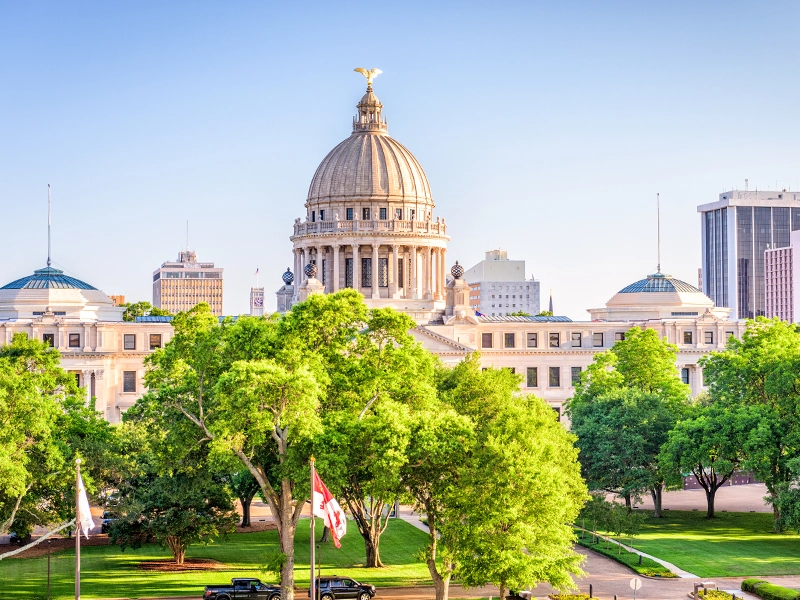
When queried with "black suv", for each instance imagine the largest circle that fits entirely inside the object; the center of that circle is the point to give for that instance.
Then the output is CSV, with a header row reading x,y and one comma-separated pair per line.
x,y
334,588
108,520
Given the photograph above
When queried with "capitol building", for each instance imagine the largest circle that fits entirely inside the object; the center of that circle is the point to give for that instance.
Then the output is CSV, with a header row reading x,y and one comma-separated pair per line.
x,y
369,224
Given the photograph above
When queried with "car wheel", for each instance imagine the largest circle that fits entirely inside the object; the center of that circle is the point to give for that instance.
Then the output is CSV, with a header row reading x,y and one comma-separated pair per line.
x,y
327,597
223,597
364,596
275,597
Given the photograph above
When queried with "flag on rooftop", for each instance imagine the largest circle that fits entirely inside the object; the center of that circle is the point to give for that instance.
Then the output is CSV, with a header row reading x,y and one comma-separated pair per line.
x,y
479,314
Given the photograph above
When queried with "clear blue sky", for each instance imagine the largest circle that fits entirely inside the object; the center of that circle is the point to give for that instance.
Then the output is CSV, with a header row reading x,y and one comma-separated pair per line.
x,y
545,128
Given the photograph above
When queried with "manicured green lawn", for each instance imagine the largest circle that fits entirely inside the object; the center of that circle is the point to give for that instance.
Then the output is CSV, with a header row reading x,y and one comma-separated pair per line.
x,y
108,573
732,545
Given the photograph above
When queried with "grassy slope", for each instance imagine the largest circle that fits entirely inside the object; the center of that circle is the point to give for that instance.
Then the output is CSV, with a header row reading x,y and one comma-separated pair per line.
x,y
107,573
733,544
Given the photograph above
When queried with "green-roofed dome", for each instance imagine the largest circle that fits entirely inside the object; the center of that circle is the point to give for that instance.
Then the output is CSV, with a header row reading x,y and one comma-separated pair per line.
x,y
48,278
659,282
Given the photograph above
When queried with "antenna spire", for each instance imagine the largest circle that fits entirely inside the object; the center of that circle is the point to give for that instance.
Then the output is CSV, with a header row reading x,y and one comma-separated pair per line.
x,y
658,208
187,235
48,224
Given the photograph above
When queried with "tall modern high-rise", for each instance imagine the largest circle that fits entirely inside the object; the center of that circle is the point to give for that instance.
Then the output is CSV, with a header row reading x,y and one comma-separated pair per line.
x,y
183,284
735,231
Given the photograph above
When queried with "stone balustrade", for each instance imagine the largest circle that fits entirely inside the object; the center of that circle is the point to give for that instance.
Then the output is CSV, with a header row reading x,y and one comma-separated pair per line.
x,y
371,226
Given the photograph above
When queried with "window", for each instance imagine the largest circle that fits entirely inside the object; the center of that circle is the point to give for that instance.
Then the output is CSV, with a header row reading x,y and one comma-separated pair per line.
x,y
687,337
74,340
555,377
512,370
576,376
597,339
49,339
322,215
619,336
129,381
558,412
348,272
533,377
365,214
509,340
576,339
709,337
412,214
382,215
398,214
533,340
555,340
383,271
349,213
486,340
400,278
313,216
685,376
366,272
729,334
155,341
78,379
129,341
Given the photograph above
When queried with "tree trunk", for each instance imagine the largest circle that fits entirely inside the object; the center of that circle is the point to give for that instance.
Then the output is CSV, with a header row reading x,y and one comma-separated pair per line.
x,y
502,589
710,501
245,511
177,547
776,515
286,530
372,546
628,502
440,584
326,535
656,493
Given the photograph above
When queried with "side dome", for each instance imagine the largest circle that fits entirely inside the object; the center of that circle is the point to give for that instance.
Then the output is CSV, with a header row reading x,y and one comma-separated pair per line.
x,y
48,278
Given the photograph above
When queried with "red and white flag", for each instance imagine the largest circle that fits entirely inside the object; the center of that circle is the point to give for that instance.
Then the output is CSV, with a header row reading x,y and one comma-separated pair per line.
x,y
327,508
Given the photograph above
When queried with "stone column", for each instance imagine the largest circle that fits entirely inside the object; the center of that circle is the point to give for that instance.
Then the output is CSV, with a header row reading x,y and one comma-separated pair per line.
x,y
87,383
356,269
426,273
393,280
61,342
87,331
305,255
376,290
335,286
296,253
414,281
443,272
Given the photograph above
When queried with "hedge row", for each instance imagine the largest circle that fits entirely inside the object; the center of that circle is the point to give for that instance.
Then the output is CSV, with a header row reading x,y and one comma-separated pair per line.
x,y
769,591
648,568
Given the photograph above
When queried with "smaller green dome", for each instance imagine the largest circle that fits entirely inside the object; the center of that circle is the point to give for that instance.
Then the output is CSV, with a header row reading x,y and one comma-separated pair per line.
x,y
659,282
48,278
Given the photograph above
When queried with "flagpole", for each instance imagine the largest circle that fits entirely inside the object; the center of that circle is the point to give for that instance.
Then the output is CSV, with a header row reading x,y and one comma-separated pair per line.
x,y
312,595
77,529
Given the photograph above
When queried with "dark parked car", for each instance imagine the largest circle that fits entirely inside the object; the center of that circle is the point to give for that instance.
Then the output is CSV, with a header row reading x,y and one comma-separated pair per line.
x,y
334,588
243,588
108,519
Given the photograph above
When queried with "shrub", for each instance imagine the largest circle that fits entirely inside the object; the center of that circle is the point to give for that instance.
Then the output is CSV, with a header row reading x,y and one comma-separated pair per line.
x,y
648,568
769,591
715,595
749,585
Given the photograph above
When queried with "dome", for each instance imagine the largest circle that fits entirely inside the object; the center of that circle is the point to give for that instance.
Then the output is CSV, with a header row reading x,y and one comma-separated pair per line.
x,y
370,165
49,291
658,296
659,282
48,278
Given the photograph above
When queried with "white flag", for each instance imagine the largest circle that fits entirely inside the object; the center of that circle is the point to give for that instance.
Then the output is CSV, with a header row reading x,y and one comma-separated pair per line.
x,y
84,516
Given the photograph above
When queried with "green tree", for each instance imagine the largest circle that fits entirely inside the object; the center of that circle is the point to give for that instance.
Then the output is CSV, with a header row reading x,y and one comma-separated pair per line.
x,y
244,486
761,372
45,425
637,376
141,309
521,313
252,389
545,313
516,526
188,506
708,443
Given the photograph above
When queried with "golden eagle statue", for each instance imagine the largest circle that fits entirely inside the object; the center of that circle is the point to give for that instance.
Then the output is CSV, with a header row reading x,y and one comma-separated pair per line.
x,y
370,75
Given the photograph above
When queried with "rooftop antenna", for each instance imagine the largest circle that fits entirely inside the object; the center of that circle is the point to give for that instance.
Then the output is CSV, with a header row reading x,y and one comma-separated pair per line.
x,y
48,224
187,235
658,208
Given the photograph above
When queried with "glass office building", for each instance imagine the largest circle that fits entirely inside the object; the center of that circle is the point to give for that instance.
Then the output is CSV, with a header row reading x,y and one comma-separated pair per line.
x,y
735,231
